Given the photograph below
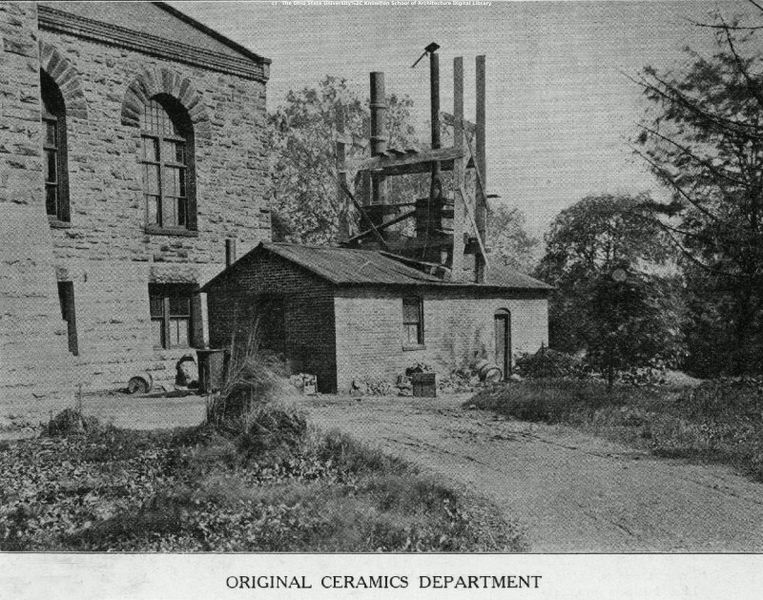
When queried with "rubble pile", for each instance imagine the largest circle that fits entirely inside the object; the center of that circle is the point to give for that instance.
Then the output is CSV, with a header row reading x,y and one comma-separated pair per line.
x,y
371,386
458,381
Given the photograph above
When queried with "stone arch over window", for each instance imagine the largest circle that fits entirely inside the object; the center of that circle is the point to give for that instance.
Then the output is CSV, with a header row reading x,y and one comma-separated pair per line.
x,y
165,82
66,77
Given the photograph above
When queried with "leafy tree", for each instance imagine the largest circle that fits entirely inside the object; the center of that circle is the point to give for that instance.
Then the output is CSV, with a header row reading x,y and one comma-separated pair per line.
x,y
636,319
303,178
604,255
702,135
509,241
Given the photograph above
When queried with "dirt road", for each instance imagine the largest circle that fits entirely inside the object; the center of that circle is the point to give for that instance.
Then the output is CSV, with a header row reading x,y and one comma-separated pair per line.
x,y
571,492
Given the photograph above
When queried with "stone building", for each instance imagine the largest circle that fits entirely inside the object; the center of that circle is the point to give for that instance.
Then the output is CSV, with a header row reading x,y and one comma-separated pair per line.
x,y
131,149
345,314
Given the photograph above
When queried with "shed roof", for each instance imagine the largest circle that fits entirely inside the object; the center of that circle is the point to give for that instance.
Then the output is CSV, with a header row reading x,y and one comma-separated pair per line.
x,y
349,266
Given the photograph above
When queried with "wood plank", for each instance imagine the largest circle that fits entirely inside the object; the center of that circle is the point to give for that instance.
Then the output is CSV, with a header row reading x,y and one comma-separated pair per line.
x,y
363,213
480,208
425,157
474,224
384,225
459,170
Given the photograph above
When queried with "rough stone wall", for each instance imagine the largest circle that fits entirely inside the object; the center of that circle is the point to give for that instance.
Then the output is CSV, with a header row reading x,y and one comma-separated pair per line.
x,y
36,369
105,250
457,328
308,312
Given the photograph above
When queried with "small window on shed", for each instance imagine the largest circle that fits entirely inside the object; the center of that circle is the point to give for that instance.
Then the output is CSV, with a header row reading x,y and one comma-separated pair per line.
x,y
413,321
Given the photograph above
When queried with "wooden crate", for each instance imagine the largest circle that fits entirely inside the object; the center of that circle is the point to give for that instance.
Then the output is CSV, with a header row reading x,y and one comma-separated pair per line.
x,y
424,385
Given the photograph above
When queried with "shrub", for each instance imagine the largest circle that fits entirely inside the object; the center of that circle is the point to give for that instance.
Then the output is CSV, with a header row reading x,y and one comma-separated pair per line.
x,y
253,379
71,421
549,363
725,399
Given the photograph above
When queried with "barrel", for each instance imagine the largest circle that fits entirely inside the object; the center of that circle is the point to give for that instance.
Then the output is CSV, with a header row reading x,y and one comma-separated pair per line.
x,y
140,384
490,372
211,363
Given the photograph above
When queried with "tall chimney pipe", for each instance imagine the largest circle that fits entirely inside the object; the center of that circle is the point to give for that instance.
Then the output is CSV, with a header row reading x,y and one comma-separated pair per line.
x,y
378,133
378,114
433,215
230,252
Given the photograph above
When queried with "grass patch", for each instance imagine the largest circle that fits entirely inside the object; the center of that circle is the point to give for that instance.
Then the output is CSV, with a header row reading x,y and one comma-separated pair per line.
x,y
202,489
256,477
719,421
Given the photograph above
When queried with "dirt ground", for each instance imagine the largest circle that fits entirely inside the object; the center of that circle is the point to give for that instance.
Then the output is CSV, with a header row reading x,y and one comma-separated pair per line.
x,y
570,492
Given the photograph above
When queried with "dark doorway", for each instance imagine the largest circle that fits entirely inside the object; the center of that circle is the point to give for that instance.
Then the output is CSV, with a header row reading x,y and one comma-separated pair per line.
x,y
271,322
66,298
503,341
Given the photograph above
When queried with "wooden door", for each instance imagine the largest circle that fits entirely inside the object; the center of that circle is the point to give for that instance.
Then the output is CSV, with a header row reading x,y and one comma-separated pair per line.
x,y
503,342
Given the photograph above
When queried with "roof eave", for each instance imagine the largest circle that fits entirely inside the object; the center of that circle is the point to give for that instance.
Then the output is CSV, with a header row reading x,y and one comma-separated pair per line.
x,y
213,34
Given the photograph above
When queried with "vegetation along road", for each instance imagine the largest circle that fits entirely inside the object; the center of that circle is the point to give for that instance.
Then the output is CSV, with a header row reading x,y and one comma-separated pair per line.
x,y
570,491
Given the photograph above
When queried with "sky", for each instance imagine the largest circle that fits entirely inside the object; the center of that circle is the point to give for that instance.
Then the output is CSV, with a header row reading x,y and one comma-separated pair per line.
x,y
560,107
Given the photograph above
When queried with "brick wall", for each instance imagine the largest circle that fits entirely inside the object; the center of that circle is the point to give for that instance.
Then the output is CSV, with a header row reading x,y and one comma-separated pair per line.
x,y
308,311
457,328
105,250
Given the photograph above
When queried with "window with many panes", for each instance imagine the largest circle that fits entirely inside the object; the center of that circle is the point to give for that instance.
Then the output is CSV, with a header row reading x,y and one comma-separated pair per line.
x,y
171,315
413,321
167,158
54,150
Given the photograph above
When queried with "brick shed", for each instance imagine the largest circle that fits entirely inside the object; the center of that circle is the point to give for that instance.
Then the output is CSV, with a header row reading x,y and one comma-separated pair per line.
x,y
343,314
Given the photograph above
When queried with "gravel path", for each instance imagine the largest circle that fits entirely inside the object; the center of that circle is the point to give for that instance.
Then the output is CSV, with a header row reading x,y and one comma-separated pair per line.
x,y
571,492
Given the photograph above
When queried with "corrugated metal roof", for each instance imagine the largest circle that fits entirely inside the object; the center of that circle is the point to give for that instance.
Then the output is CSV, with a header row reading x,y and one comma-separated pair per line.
x,y
348,266
502,276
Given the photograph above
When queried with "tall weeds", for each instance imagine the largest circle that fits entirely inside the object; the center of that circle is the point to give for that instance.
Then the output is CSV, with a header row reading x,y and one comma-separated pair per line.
x,y
719,421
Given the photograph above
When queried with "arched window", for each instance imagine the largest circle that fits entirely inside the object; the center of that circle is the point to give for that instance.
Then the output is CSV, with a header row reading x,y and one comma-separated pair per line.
x,y
167,157
54,150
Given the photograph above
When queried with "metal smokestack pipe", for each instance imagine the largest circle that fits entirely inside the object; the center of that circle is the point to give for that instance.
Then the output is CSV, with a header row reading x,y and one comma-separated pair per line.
x,y
378,132
230,252
378,115
433,215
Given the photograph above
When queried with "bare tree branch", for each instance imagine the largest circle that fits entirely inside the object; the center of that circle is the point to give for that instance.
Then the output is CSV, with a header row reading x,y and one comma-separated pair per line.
x,y
739,127
699,160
